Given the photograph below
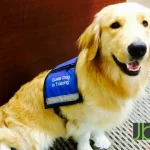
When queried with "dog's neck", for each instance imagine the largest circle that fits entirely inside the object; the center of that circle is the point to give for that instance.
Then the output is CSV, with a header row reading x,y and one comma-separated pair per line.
x,y
95,83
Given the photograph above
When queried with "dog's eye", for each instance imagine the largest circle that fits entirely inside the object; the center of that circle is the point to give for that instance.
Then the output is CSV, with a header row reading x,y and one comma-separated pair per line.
x,y
145,23
115,25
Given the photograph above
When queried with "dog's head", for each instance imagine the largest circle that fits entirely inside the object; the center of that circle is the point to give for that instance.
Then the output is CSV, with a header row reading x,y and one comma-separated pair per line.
x,y
120,34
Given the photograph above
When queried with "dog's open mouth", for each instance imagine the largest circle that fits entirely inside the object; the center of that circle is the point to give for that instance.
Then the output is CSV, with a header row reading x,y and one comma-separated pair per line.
x,y
131,68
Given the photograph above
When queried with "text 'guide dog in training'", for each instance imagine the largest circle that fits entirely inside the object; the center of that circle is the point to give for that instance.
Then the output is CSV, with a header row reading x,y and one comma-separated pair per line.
x,y
87,95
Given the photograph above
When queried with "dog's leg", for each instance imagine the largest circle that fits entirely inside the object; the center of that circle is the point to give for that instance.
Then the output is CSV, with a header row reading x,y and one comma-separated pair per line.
x,y
100,140
83,142
4,147
80,133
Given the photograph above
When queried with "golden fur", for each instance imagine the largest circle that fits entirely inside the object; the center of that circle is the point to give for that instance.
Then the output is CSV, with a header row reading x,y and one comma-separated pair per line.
x,y
106,90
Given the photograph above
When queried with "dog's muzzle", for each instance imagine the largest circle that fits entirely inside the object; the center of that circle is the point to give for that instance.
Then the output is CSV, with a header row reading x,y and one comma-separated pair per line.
x,y
131,68
136,51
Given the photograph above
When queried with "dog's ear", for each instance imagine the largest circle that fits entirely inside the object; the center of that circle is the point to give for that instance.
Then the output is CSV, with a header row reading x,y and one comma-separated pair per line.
x,y
89,40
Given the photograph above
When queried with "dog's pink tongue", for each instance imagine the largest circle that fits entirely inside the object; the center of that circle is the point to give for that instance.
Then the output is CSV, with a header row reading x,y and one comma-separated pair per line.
x,y
133,66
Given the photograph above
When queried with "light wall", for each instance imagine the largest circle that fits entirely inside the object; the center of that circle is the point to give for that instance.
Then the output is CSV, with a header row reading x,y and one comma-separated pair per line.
x,y
146,3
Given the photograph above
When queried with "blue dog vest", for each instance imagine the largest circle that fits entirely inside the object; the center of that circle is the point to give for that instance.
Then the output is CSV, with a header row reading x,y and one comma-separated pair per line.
x,y
60,86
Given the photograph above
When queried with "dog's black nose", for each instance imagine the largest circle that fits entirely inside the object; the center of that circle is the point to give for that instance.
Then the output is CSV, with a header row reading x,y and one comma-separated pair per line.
x,y
137,49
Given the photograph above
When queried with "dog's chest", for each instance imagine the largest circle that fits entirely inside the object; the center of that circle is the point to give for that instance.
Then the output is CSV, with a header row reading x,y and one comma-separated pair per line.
x,y
108,119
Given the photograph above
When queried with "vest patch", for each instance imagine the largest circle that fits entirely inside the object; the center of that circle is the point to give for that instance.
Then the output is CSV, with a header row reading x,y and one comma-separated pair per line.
x,y
60,86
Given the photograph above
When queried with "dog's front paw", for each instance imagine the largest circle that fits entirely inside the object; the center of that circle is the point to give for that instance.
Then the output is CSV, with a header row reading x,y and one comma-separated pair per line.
x,y
102,142
84,146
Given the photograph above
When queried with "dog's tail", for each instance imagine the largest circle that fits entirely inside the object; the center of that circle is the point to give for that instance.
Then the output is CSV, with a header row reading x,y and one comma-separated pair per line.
x,y
9,137
12,139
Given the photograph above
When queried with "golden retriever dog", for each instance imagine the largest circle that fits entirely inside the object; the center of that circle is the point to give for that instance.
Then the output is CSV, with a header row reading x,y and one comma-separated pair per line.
x,y
111,70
